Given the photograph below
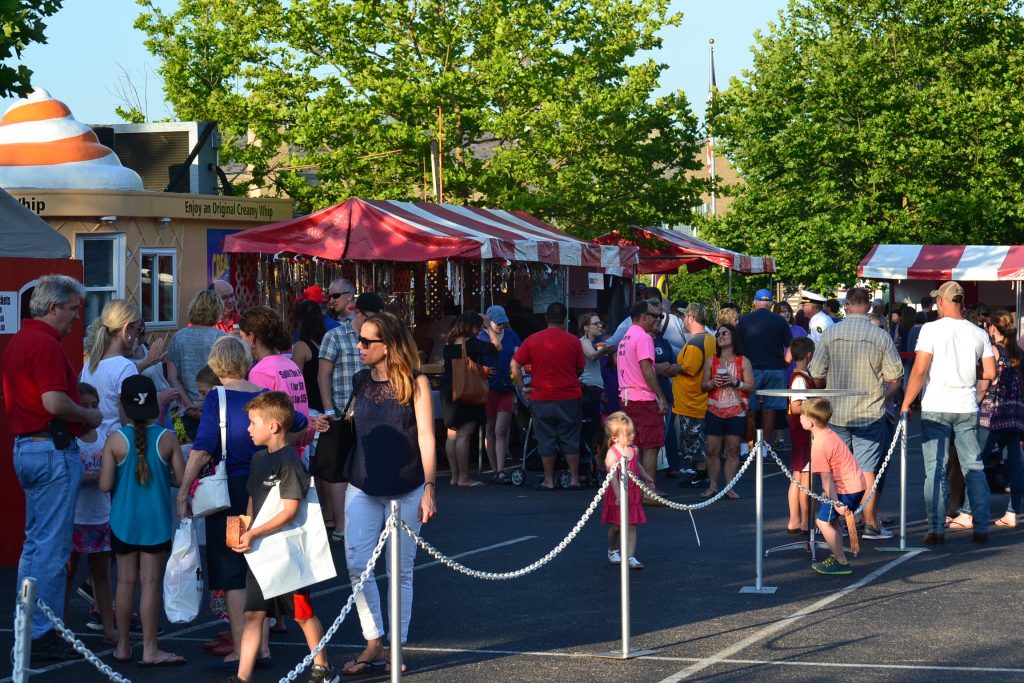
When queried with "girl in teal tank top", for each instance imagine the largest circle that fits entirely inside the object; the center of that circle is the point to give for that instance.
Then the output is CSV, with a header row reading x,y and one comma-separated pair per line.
x,y
141,461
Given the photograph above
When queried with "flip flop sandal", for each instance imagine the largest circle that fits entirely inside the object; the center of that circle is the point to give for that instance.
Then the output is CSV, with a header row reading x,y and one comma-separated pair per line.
x,y
368,666
1006,525
959,526
123,660
170,660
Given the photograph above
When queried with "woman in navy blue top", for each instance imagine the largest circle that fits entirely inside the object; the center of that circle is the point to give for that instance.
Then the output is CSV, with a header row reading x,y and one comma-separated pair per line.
x,y
393,460
230,360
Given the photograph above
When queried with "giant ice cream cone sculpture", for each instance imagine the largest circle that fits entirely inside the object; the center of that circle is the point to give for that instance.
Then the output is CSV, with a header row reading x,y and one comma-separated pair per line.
x,y
42,146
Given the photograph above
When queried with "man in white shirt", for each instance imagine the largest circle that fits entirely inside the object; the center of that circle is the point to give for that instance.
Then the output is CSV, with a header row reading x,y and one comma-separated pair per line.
x,y
947,355
817,319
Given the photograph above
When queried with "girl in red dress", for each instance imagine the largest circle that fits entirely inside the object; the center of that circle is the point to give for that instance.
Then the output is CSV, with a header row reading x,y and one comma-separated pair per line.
x,y
621,433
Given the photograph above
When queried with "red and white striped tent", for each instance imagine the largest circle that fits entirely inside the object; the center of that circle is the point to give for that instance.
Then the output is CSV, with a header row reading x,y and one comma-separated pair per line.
x,y
379,230
665,251
943,262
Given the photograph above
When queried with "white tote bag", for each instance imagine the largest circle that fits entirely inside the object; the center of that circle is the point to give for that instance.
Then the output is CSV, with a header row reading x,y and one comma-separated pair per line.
x,y
211,495
183,579
296,555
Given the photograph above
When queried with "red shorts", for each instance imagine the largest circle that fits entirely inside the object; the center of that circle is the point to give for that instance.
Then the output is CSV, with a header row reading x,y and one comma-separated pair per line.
x,y
649,423
499,402
303,607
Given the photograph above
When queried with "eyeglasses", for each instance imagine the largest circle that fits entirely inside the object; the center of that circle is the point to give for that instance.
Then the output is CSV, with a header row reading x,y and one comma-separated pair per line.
x,y
367,343
338,295
596,323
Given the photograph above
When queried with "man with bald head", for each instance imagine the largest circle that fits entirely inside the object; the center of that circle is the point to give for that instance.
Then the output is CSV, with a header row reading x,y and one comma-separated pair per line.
x,y
231,316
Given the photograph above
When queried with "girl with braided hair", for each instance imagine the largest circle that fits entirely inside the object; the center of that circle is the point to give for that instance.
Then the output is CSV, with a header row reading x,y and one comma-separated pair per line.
x,y
141,461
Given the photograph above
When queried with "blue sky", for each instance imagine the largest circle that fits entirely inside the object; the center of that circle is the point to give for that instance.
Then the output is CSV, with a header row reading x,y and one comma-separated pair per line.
x,y
89,49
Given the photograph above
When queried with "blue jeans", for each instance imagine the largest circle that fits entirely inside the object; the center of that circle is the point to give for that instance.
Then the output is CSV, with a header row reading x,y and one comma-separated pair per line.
x,y
939,431
1009,443
51,479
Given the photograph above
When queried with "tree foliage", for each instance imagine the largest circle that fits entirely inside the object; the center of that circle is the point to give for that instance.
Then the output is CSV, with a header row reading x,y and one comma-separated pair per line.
x,y
22,23
879,121
546,104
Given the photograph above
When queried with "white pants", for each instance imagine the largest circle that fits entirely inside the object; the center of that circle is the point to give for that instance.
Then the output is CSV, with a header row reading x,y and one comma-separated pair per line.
x,y
364,522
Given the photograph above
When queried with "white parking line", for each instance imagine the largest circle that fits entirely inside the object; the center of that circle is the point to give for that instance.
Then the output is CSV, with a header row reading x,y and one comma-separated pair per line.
x,y
786,622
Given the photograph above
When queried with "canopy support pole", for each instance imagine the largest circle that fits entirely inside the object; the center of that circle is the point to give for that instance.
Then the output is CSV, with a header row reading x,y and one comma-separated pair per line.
x,y
730,284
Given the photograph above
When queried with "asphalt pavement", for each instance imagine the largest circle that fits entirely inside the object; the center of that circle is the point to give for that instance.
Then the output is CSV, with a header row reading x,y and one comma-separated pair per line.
x,y
946,613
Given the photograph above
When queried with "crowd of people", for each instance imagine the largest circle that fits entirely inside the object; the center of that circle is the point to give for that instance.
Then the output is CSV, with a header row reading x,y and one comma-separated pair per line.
x,y
672,389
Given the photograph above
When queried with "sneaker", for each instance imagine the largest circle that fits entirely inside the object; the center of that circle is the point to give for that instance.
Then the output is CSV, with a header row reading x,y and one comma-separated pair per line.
x,y
832,567
93,622
337,536
876,533
635,564
49,648
614,557
323,674
85,590
699,479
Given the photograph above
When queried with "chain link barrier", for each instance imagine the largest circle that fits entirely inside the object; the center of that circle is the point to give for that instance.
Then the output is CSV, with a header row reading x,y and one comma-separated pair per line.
x,y
356,590
69,636
824,500
534,566
650,493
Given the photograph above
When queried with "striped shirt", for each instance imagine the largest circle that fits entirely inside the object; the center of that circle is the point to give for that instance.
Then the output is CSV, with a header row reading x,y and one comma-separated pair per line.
x,y
855,354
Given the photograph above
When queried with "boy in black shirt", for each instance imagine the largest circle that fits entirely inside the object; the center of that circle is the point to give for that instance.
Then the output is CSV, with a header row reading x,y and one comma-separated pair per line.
x,y
271,415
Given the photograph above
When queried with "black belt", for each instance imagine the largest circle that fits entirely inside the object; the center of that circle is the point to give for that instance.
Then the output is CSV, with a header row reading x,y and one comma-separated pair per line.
x,y
44,433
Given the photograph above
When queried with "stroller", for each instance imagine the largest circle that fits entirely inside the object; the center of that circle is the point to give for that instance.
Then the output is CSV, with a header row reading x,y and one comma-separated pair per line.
x,y
531,460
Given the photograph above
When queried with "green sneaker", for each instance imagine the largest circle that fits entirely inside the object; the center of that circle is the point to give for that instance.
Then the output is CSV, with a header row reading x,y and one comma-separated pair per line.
x,y
832,567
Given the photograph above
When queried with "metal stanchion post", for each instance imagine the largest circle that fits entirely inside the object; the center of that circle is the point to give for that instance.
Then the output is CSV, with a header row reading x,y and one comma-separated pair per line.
x,y
625,652
758,586
26,603
904,428
395,591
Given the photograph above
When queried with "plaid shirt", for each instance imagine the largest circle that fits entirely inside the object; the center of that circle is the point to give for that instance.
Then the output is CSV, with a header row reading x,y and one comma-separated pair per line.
x,y
854,354
340,347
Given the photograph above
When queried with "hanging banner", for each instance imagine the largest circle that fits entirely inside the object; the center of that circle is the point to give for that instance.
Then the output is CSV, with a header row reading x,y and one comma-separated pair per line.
x,y
216,259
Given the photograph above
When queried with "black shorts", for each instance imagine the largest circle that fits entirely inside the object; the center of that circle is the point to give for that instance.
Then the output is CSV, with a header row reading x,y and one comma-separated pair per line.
x,y
121,548
556,425
294,604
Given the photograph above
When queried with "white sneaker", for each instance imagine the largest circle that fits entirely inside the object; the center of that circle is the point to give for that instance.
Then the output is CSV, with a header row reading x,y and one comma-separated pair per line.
x,y
614,557
879,533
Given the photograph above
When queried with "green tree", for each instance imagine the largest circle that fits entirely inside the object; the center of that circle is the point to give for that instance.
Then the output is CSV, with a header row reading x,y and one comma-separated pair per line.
x,y
21,24
879,121
547,104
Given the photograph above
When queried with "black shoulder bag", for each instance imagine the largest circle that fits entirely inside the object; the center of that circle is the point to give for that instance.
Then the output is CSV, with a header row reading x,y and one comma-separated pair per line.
x,y
334,446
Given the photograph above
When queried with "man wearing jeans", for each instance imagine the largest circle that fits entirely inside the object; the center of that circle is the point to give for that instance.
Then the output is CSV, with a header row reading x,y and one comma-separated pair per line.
x,y
854,354
43,411
948,351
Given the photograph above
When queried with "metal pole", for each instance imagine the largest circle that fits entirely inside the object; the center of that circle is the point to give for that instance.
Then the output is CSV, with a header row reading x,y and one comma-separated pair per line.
x,y
759,586
624,551
26,602
904,425
395,591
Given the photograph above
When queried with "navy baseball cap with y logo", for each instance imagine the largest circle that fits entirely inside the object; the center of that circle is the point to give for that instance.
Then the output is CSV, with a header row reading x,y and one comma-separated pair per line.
x,y
138,398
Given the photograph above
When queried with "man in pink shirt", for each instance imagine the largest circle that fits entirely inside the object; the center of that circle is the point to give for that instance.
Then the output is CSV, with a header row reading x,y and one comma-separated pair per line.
x,y
639,392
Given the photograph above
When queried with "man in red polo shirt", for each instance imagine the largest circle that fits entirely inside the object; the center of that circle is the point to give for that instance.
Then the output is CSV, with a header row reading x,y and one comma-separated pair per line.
x,y
43,412
556,361
231,315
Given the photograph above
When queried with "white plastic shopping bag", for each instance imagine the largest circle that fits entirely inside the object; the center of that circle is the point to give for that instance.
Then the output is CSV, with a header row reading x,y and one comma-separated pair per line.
x,y
296,555
183,579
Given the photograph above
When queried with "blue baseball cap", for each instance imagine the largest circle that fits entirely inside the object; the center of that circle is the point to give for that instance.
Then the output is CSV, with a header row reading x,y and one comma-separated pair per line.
x,y
497,314
762,295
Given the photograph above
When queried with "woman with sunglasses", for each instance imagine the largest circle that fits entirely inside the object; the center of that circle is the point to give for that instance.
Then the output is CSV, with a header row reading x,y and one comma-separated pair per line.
x,y
393,459
592,379
460,419
728,379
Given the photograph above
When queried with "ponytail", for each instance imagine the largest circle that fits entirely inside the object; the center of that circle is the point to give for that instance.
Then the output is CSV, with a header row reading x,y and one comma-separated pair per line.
x,y
96,343
142,474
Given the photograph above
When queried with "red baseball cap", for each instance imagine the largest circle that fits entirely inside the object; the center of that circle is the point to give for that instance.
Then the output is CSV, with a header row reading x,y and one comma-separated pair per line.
x,y
314,293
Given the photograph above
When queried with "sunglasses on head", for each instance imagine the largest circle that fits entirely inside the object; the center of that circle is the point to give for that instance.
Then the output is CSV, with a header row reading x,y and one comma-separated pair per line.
x,y
367,343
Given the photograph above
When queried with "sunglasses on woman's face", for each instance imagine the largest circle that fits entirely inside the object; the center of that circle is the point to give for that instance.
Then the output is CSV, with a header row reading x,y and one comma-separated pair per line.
x,y
367,343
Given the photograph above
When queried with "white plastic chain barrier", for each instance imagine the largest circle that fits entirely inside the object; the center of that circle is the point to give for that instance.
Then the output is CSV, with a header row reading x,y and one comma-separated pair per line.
x,y
503,576
356,589
78,645
19,640
649,493
828,501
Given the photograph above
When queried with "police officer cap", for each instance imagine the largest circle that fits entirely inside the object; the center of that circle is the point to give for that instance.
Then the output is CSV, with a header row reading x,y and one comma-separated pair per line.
x,y
809,297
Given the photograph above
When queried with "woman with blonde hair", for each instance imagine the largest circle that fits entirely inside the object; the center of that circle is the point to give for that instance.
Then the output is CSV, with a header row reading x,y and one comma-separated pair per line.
x,y
393,458
189,349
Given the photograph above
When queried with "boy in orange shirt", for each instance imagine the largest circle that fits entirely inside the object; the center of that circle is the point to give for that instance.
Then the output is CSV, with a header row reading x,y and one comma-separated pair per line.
x,y
841,479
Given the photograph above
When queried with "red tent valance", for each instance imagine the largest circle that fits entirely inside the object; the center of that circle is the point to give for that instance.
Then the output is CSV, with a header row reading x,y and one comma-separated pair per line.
x,y
943,262
665,251
379,230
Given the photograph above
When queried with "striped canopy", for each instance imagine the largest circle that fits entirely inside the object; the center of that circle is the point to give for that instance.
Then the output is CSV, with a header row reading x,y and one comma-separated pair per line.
x,y
379,230
665,251
943,262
